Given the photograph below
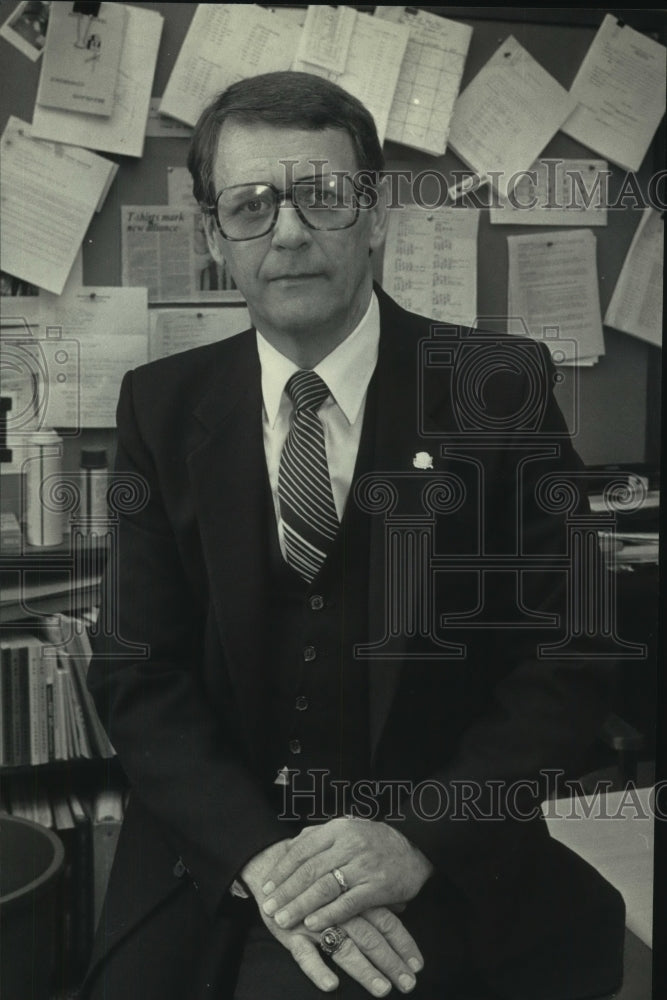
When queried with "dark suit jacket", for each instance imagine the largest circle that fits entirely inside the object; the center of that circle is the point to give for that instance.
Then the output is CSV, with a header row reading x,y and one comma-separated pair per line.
x,y
187,717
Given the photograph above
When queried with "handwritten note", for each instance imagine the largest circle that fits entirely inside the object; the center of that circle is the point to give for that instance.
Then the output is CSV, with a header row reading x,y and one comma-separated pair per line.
x,y
124,131
430,77
225,42
557,192
553,288
175,330
49,193
374,53
505,117
636,304
430,262
620,88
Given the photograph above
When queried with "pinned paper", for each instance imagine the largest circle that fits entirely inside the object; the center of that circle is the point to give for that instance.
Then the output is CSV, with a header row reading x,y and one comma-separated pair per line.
x,y
620,89
430,262
553,289
225,42
429,80
506,116
49,194
81,58
557,192
326,36
124,131
636,305
164,249
175,330
373,63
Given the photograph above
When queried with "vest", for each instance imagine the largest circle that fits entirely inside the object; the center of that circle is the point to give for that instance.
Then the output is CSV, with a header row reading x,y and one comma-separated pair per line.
x,y
319,721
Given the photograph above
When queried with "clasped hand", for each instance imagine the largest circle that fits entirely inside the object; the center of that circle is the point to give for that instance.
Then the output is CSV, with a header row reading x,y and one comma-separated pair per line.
x,y
296,875
378,864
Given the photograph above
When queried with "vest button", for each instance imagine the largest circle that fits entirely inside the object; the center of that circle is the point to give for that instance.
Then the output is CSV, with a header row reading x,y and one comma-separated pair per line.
x,y
309,653
301,703
295,746
316,602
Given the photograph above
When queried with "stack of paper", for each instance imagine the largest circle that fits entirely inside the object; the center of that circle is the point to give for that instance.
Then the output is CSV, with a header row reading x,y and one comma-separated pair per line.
x,y
507,114
620,88
429,80
430,262
553,290
361,54
636,305
225,42
49,193
124,131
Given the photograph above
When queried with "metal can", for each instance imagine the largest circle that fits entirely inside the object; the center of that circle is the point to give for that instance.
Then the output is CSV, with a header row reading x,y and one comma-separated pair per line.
x,y
44,520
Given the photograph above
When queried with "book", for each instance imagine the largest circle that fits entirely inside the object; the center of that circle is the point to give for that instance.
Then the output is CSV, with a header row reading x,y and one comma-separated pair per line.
x,y
81,58
83,924
107,819
66,830
37,705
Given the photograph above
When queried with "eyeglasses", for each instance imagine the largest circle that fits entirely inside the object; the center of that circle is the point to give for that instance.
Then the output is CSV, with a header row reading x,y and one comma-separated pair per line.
x,y
248,211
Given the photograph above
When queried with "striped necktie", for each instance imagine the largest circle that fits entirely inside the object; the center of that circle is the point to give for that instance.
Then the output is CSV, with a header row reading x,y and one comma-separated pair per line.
x,y
307,506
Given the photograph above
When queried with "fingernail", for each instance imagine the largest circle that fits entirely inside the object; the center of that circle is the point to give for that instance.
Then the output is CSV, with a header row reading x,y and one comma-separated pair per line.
x,y
267,888
380,987
310,922
329,984
406,982
270,907
415,964
282,918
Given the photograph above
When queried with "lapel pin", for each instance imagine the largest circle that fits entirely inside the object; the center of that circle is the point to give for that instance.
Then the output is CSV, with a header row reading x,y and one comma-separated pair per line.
x,y
423,460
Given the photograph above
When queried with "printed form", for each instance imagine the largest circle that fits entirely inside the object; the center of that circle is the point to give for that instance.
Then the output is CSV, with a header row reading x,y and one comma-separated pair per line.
x,y
430,78
49,194
553,288
620,88
430,262
225,42
359,53
506,116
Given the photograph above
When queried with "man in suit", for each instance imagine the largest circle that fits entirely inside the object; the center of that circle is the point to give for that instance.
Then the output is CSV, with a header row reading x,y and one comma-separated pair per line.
x,y
331,679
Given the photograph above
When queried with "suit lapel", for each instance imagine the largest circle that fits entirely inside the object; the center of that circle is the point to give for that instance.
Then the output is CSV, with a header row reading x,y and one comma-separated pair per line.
x,y
229,481
399,416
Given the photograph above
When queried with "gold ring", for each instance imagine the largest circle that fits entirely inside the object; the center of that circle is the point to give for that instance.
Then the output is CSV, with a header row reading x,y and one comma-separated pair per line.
x,y
340,878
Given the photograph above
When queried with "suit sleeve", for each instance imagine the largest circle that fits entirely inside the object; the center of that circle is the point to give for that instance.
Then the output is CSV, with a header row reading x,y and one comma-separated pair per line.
x,y
543,711
181,760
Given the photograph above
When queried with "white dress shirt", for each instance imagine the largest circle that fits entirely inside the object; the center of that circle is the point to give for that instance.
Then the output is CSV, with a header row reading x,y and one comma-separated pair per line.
x,y
347,371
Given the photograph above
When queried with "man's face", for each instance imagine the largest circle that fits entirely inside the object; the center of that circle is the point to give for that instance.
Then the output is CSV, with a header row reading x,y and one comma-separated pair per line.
x,y
298,282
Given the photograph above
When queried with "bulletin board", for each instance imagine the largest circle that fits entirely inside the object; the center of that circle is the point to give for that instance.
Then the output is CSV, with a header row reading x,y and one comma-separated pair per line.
x,y
615,403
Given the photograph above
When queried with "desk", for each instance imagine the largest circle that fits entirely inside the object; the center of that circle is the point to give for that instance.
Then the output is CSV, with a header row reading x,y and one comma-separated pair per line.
x,y
615,834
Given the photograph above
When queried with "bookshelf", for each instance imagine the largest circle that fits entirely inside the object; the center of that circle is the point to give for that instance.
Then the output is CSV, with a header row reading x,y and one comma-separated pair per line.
x,y
57,766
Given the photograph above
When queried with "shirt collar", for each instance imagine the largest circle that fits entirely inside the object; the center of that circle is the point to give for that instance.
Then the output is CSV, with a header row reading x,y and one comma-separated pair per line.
x,y
346,370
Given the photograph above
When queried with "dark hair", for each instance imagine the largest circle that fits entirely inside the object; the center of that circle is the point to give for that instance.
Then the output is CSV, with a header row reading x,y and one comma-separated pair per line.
x,y
290,99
